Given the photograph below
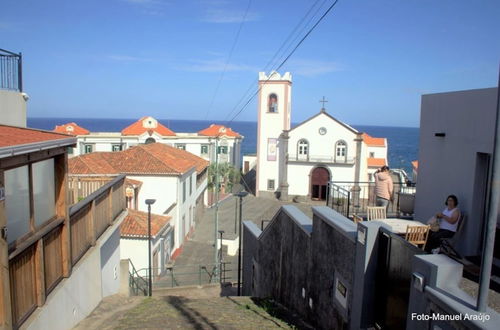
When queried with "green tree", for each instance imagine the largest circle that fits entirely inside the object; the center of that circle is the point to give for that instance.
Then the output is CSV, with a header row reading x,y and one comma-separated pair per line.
x,y
228,177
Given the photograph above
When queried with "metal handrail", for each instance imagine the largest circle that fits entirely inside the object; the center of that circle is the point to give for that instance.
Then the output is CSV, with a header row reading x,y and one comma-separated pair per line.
x,y
11,70
134,280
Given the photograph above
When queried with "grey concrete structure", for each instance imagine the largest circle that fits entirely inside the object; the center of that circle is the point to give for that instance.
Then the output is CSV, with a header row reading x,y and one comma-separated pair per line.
x,y
311,274
456,144
437,301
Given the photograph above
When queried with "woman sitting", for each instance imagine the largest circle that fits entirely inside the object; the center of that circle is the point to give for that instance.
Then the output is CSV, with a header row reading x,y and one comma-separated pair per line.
x,y
448,223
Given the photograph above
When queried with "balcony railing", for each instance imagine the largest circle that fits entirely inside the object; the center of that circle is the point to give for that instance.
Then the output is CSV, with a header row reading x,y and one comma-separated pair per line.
x,y
37,266
11,73
350,198
322,159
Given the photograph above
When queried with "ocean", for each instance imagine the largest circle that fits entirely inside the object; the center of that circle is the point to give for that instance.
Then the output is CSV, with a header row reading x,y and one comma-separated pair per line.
x,y
403,141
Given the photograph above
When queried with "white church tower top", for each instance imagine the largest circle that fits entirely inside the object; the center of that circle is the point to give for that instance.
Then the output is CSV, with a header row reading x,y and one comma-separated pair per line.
x,y
275,76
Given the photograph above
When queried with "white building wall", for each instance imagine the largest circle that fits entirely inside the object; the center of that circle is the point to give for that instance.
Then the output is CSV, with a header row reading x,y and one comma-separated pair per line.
x,y
74,298
12,108
379,152
322,145
161,188
457,162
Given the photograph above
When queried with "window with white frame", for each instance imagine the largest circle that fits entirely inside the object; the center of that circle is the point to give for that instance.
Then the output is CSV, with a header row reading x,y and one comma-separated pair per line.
x,y
180,146
270,184
340,150
88,148
116,147
204,149
302,148
372,155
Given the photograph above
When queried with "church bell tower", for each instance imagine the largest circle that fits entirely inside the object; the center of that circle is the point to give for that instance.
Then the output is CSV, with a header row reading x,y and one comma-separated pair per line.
x,y
273,111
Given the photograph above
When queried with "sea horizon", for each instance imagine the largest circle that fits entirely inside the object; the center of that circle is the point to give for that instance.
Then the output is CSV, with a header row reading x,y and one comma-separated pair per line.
x,y
402,141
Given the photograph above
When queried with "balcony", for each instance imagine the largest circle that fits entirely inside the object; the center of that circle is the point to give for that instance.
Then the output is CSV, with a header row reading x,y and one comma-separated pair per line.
x,y
39,264
11,71
321,159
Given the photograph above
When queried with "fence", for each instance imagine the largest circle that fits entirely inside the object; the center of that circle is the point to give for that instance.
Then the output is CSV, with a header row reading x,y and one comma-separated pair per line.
x,y
11,71
81,187
38,266
350,198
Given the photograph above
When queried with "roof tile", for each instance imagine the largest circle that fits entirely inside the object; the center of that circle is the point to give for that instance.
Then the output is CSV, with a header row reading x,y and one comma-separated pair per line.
x,y
135,224
138,128
11,136
218,130
72,129
373,142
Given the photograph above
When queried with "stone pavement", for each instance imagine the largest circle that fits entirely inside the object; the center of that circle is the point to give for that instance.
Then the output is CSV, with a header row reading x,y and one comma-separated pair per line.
x,y
185,308
199,249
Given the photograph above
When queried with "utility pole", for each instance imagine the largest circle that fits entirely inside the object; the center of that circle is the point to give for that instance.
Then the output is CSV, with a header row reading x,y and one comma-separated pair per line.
x,y
216,219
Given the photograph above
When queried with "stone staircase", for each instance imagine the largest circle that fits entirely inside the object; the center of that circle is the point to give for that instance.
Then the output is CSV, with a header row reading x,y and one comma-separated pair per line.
x,y
182,308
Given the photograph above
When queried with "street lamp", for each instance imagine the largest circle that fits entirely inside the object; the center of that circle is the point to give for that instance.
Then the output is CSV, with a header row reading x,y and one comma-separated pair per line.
x,y
241,194
221,232
149,202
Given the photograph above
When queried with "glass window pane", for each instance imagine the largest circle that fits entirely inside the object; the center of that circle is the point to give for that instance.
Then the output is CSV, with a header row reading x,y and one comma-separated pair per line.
x,y
44,195
17,202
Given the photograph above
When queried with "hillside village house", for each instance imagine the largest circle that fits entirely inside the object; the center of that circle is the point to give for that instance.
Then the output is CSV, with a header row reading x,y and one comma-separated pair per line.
x,y
134,241
149,130
176,178
300,161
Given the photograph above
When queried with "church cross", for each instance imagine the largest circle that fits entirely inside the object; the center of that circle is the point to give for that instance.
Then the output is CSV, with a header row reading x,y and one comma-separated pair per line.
x,y
323,101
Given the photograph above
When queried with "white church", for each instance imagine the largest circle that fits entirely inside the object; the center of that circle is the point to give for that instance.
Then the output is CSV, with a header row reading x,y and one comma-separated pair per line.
x,y
300,161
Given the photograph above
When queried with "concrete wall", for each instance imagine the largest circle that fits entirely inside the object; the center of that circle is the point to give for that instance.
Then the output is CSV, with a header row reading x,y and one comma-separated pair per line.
x,y
450,164
300,263
12,108
92,278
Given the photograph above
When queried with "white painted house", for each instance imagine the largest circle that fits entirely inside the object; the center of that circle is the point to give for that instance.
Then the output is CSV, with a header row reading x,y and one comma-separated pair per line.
x,y
148,130
175,178
300,161
134,241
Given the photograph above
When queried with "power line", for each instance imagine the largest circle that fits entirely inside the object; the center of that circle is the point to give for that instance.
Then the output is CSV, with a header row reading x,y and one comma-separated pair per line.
x,y
228,60
251,86
286,59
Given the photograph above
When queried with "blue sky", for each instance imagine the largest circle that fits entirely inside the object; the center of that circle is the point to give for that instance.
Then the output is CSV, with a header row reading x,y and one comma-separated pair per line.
x,y
127,58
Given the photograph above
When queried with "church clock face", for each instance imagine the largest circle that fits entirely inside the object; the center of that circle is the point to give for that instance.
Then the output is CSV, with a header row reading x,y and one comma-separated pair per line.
x,y
322,131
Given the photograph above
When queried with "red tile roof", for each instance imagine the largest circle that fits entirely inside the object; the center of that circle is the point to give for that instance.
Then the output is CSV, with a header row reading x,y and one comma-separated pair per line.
x,y
11,136
135,224
218,130
376,162
372,141
154,158
415,164
138,128
72,129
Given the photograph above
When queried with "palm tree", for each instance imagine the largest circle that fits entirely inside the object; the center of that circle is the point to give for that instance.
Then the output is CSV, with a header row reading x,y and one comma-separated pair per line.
x,y
228,177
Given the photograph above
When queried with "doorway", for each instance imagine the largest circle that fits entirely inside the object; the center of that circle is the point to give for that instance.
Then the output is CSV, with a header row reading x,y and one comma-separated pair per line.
x,y
319,183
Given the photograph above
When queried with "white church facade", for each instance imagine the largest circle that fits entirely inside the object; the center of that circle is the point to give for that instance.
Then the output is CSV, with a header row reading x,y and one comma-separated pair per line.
x,y
300,161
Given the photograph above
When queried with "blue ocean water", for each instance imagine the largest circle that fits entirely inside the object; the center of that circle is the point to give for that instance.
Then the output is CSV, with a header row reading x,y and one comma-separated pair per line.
x,y
403,141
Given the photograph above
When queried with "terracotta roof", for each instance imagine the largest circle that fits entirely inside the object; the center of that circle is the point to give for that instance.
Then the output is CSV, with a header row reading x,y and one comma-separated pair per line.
x,y
376,162
137,128
72,129
415,164
154,158
135,224
372,141
11,136
218,130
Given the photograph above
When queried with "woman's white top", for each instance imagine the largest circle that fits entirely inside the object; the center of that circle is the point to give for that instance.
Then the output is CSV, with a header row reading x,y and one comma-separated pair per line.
x,y
443,224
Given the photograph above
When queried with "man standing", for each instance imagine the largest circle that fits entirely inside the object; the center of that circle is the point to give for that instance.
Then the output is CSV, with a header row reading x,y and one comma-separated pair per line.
x,y
383,187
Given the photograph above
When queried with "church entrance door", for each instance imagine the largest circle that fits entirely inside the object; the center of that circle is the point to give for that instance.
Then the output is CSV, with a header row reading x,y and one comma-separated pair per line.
x,y
319,183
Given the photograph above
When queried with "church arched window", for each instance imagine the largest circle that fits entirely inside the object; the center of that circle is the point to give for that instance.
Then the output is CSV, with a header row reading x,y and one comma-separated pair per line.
x,y
272,103
340,151
150,140
302,149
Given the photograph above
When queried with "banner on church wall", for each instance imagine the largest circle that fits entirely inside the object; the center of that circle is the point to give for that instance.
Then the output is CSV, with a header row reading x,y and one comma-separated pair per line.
x,y
272,149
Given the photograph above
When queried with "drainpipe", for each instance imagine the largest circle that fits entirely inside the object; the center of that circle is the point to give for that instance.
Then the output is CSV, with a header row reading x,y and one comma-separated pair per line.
x,y
492,214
